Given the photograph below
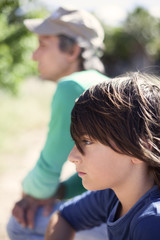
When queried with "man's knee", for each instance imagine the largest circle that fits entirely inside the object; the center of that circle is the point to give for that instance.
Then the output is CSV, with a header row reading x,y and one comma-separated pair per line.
x,y
14,229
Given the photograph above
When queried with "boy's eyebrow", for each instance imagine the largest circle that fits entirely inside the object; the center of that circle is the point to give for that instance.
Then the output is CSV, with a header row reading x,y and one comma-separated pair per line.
x,y
83,137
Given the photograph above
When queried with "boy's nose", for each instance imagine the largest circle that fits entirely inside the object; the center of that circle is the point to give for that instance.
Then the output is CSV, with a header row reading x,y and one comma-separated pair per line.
x,y
74,155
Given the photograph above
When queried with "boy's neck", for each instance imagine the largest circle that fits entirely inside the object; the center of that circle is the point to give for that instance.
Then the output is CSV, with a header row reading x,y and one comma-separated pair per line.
x,y
128,195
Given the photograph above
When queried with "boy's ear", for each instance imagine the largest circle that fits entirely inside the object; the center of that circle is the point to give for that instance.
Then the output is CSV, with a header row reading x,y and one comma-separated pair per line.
x,y
136,161
74,53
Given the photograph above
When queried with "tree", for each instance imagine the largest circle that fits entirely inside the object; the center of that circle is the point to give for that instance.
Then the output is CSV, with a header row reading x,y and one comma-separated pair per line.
x,y
16,45
145,28
133,46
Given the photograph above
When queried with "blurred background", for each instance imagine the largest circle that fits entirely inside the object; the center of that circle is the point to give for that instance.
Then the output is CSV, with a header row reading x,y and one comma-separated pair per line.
x,y
132,42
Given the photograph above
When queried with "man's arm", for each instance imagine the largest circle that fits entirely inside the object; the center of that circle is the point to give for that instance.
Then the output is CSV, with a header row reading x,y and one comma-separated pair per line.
x,y
42,182
59,229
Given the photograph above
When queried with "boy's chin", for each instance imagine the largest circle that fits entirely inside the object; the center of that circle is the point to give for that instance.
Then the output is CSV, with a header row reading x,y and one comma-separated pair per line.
x,y
90,187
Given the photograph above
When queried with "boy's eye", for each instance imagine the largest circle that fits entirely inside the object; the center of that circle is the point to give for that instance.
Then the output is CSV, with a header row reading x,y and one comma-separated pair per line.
x,y
87,142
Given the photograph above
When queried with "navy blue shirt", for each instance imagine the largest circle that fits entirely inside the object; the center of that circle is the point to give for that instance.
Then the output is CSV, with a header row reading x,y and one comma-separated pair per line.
x,y
141,222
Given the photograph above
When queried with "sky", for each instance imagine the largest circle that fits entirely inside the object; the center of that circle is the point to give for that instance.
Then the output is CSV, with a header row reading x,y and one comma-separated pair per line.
x,y
113,12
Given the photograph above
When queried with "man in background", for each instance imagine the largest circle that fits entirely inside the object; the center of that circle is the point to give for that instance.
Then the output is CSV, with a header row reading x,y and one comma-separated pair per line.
x,y
70,43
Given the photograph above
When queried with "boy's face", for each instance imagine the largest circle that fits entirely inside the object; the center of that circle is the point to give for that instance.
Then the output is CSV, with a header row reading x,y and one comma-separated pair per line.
x,y
52,62
100,167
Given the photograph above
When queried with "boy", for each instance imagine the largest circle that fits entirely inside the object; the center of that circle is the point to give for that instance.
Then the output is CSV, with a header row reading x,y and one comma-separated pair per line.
x,y
116,129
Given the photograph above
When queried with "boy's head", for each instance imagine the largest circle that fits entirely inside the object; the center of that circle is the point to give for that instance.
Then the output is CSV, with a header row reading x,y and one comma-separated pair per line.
x,y
124,111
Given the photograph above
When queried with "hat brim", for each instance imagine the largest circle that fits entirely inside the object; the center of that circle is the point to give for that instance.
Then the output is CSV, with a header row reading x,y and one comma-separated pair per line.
x,y
46,27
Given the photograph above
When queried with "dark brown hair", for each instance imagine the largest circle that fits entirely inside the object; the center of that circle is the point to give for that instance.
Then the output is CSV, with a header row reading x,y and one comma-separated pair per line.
x,y
66,44
124,111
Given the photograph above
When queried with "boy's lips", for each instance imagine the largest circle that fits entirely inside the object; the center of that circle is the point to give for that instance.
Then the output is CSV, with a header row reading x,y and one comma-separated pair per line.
x,y
80,173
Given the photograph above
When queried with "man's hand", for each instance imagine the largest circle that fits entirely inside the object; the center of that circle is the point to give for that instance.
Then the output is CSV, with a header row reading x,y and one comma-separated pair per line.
x,y
24,210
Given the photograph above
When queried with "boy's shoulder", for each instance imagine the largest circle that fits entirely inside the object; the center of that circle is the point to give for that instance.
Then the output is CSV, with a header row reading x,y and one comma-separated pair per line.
x,y
148,217
147,227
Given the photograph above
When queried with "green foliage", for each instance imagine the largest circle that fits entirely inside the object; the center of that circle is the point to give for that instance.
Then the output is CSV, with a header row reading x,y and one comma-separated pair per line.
x,y
141,24
139,28
134,45
16,45
119,43
145,29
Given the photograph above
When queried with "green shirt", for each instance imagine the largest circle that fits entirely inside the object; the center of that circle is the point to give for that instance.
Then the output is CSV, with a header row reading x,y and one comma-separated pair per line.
x,y
42,181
